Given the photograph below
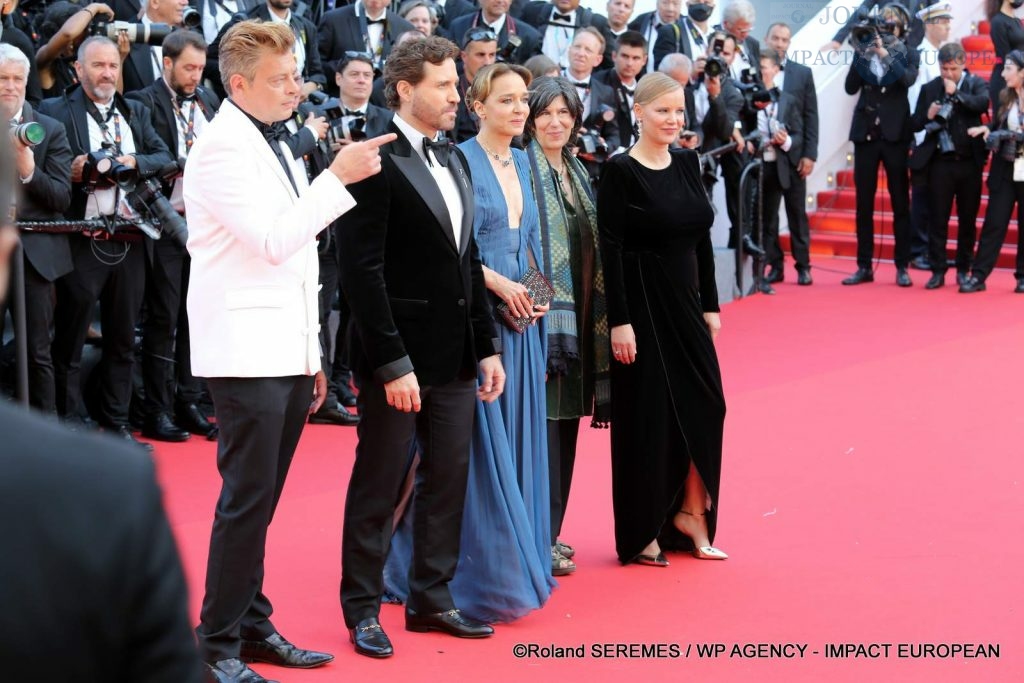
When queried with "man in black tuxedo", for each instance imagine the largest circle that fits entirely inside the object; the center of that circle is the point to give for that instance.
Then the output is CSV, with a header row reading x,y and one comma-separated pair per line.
x,y
494,13
559,22
423,329
92,588
307,48
145,62
180,109
796,80
354,80
953,160
630,57
44,173
648,24
882,71
780,124
113,270
451,10
599,100
368,26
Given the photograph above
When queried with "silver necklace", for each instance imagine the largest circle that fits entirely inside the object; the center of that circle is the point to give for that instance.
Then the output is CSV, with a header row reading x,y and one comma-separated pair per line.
x,y
505,163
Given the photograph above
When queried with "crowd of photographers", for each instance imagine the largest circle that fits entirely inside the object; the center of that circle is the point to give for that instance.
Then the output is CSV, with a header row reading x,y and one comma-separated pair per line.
x,y
105,102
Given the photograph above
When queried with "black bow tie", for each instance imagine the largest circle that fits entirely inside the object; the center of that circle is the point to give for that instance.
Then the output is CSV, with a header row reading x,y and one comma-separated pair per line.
x,y
581,84
629,91
185,99
275,131
555,16
440,148
354,112
370,22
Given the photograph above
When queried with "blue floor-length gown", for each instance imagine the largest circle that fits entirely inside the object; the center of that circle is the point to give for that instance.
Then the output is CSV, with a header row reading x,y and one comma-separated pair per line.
x,y
504,568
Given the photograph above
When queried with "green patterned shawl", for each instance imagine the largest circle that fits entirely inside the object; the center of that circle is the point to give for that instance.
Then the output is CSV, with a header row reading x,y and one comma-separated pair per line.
x,y
562,333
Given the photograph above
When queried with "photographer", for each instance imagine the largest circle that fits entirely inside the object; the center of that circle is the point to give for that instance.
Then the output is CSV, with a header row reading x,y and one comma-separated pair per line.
x,y
179,109
365,26
43,170
882,70
145,60
600,131
113,270
63,26
494,13
946,108
780,123
1005,178
479,48
914,28
629,56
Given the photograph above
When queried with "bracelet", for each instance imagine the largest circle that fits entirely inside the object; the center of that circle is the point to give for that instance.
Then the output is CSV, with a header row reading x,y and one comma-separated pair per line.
x,y
86,9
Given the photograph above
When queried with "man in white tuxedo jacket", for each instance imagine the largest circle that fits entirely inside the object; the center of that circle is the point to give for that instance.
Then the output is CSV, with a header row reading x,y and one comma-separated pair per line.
x,y
252,307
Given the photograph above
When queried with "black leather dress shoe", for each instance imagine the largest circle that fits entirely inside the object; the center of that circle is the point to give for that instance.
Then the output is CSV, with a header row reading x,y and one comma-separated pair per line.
x,y
775,275
189,417
334,416
231,671
346,397
122,432
763,287
1019,289
277,650
369,638
861,276
935,281
751,247
972,285
803,277
451,622
160,428
961,277
920,263
903,278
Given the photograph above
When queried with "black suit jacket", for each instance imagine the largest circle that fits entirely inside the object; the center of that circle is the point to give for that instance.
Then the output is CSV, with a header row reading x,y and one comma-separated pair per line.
x,y
884,99
788,112
418,300
722,114
46,197
151,153
126,10
538,15
91,584
799,82
137,72
642,23
971,101
340,31
623,115
528,34
672,38
603,99
452,10
157,99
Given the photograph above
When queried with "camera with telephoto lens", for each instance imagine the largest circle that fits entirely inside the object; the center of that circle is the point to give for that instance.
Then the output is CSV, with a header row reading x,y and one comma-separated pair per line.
x,y
1004,143
30,133
340,126
149,34
940,126
192,19
506,52
865,31
102,169
715,65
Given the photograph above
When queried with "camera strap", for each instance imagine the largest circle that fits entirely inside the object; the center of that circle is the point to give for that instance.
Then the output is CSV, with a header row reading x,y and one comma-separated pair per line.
x,y
698,39
188,126
364,27
112,113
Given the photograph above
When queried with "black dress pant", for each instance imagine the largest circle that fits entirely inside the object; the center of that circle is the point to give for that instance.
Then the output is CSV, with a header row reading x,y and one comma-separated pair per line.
x,y
162,331
920,219
866,159
952,177
443,428
114,273
562,438
260,420
770,206
1003,194
795,197
732,165
39,304
328,288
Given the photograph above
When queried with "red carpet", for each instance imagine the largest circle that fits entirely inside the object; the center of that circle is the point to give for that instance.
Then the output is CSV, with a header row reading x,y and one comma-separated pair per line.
x,y
872,494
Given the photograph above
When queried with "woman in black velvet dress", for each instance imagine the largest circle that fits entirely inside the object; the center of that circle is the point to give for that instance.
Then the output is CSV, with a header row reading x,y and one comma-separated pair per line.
x,y
667,403
1007,35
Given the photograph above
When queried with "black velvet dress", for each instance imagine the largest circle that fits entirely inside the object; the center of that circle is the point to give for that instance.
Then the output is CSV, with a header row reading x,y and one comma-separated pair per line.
x,y
668,406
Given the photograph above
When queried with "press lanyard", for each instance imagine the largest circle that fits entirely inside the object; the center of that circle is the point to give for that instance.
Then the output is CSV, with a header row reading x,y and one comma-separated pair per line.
x,y
510,23
377,52
112,113
189,125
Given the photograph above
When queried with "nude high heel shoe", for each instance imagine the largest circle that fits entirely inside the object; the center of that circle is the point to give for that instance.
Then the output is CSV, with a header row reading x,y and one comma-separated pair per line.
x,y
703,552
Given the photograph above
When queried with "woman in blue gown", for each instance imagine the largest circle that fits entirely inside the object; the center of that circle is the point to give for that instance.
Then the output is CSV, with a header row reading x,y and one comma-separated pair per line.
x,y
504,566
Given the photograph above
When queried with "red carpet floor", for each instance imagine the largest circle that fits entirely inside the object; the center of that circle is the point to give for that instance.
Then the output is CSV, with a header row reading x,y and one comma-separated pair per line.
x,y
872,494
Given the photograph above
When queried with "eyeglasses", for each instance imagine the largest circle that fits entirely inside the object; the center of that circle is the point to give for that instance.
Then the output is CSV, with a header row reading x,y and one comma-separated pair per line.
x,y
482,33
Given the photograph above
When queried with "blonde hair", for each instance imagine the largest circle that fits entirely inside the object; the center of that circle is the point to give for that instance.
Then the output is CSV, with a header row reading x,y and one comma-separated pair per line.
x,y
654,85
483,83
247,41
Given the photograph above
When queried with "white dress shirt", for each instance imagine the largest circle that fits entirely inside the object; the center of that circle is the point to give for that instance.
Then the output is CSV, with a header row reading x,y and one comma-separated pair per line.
x,y
216,15
298,49
442,176
558,36
105,202
189,111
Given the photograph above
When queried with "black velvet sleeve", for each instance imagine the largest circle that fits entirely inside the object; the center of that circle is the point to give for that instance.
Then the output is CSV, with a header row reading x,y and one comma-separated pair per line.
x,y
612,200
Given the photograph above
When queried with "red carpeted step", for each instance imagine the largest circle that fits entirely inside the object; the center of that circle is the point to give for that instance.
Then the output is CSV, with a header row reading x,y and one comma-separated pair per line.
x,y
845,199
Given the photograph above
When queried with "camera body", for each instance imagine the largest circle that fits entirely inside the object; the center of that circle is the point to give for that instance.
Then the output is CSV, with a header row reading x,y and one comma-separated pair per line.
x,y
102,169
505,54
340,126
864,32
591,147
754,91
1004,143
940,126
152,34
